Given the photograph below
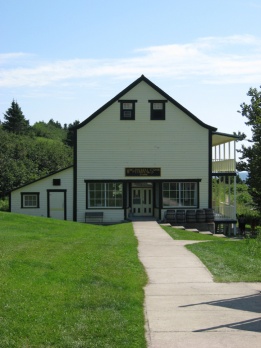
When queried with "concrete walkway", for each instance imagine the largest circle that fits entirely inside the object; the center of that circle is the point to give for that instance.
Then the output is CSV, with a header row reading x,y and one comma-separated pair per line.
x,y
184,307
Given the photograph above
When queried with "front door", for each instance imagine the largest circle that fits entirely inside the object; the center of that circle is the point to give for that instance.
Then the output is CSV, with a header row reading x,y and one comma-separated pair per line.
x,y
142,201
57,204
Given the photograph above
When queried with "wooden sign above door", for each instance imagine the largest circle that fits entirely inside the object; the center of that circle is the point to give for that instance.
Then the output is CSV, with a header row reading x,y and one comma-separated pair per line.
x,y
142,171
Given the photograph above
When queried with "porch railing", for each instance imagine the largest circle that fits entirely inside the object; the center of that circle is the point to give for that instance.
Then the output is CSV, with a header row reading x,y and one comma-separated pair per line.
x,y
224,210
220,166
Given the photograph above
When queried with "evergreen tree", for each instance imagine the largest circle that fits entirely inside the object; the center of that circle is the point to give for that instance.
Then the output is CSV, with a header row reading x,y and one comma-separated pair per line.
x,y
251,155
70,134
15,121
55,124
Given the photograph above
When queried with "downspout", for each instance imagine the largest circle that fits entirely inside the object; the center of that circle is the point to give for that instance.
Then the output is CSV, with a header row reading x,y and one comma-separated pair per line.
x,y
210,169
10,203
235,190
75,175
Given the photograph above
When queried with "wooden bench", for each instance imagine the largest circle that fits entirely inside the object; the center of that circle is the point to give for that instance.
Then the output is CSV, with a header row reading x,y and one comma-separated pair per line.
x,y
94,216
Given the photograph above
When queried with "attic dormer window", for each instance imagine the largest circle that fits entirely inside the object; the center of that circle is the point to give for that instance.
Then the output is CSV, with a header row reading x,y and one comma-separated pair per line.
x,y
127,109
157,109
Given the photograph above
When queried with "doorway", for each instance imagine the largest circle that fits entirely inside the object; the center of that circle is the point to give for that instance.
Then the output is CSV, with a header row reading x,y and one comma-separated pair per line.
x,y
142,201
56,202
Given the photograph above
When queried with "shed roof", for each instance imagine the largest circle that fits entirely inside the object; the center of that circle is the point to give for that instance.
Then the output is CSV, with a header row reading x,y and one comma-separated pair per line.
x,y
41,178
222,138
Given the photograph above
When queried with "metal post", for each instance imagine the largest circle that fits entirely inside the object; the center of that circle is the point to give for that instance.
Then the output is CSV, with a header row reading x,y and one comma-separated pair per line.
x,y
235,190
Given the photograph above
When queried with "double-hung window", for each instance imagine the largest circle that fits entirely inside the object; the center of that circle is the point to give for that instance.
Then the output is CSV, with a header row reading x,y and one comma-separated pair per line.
x,y
180,194
105,195
157,110
127,109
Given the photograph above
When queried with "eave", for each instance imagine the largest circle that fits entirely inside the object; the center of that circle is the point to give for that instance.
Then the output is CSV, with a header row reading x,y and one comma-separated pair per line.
x,y
142,78
222,138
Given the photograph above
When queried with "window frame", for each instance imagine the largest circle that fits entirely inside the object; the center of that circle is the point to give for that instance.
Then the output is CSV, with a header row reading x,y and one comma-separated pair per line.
x,y
105,195
157,114
56,182
24,195
131,110
180,197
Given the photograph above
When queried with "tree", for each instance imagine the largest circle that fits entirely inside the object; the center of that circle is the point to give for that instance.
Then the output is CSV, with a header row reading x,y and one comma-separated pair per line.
x,y
50,130
250,159
55,124
24,159
70,133
15,121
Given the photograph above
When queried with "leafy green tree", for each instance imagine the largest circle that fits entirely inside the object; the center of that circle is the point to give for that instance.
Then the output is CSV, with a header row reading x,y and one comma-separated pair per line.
x,y
70,133
24,159
50,156
16,168
15,121
50,130
55,124
250,159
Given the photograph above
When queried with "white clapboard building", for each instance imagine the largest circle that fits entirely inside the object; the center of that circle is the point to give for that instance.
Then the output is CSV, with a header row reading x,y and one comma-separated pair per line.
x,y
140,154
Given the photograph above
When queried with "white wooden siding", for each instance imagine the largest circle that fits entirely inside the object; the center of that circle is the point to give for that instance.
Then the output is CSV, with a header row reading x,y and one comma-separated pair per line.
x,y
109,215
41,187
107,145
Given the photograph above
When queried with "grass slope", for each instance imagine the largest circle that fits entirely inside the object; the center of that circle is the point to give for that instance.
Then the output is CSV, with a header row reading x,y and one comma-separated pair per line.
x,y
66,284
226,259
233,261
178,234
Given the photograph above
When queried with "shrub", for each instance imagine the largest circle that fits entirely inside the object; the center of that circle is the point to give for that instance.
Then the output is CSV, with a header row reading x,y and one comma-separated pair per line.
x,y
253,245
4,204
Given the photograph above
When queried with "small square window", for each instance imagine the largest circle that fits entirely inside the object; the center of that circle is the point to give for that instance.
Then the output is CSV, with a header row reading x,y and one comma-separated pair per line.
x,y
56,182
157,109
30,200
127,109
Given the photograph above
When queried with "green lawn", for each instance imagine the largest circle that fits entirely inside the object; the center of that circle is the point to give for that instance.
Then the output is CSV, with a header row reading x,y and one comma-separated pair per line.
x,y
228,260
178,234
66,284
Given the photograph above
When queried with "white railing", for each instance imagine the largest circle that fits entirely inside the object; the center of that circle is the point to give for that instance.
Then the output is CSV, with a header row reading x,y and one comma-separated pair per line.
x,y
220,166
224,210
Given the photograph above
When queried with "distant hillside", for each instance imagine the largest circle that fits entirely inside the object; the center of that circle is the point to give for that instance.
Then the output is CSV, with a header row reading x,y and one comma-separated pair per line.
x,y
25,158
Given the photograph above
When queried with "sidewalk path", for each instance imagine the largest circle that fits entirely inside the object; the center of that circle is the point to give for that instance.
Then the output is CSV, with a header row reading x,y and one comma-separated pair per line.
x,y
184,307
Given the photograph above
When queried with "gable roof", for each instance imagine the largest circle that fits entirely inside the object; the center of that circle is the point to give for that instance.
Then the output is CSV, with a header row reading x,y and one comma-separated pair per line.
x,y
156,88
39,179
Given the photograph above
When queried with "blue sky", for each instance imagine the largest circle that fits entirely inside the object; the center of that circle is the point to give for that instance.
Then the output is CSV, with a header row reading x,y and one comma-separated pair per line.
x,y
64,59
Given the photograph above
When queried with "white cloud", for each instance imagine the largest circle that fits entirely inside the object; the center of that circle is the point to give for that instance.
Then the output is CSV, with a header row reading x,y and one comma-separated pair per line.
x,y
7,56
211,60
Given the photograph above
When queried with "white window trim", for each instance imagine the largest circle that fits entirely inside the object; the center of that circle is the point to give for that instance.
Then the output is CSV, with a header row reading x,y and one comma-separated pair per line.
x,y
24,197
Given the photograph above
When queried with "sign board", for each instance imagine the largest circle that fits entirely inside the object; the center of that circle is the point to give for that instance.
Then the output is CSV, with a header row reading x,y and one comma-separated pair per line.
x,y
142,171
